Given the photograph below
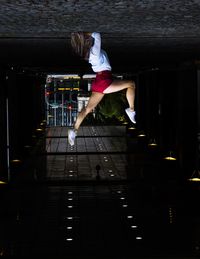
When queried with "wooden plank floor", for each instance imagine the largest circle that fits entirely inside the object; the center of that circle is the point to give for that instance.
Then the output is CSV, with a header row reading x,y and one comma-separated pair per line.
x,y
103,146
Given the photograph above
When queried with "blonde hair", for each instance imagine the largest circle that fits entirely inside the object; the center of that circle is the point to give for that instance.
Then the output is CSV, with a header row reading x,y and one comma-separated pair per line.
x,y
81,43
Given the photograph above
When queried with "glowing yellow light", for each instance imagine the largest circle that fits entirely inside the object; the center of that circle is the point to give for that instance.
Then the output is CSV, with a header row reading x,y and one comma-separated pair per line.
x,y
194,179
125,123
131,128
16,161
2,182
39,129
71,77
195,176
152,144
64,88
170,158
141,135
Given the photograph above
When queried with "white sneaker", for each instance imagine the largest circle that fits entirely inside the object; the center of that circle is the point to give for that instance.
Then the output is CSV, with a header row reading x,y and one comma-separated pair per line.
x,y
71,136
131,114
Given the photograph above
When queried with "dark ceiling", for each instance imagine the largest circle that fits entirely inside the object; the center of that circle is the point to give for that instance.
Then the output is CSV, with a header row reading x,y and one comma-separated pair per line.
x,y
137,33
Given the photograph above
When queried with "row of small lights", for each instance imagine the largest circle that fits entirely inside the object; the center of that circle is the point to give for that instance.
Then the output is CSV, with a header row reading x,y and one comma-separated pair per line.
x,y
171,215
100,147
69,219
22,70
195,177
71,159
110,171
152,143
129,217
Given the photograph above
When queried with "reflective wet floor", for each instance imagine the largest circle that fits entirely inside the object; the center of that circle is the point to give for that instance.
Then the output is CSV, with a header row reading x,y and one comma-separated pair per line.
x,y
133,214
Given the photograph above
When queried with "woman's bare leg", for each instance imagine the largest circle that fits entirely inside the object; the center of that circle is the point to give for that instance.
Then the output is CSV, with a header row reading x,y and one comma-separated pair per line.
x,y
118,85
95,98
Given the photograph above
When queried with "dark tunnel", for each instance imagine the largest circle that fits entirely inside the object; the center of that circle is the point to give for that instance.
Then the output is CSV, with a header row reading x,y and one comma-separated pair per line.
x,y
124,190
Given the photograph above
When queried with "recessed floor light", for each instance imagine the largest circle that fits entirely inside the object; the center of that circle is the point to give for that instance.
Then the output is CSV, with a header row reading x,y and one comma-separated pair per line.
x,y
69,228
69,239
129,217
133,226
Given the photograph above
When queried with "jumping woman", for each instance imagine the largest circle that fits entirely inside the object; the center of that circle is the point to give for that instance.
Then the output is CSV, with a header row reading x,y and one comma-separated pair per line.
x,y
88,46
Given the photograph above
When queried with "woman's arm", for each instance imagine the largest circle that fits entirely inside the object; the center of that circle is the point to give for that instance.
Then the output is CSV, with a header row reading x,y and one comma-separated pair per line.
x,y
96,48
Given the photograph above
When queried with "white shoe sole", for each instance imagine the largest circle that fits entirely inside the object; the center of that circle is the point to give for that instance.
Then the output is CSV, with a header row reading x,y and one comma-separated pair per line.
x,y
71,139
127,112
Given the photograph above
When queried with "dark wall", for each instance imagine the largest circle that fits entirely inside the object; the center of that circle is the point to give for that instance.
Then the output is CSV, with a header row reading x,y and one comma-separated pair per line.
x,y
25,95
3,126
26,109
147,101
167,111
187,119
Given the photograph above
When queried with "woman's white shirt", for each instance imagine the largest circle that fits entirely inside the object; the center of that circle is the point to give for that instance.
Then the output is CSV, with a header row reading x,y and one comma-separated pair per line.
x,y
98,58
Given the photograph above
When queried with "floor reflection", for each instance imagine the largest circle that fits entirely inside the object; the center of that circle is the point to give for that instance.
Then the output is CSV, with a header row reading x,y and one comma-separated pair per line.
x,y
123,201
102,146
116,220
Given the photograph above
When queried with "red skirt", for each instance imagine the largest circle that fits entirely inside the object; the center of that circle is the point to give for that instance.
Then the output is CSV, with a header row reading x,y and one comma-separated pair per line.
x,y
102,81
